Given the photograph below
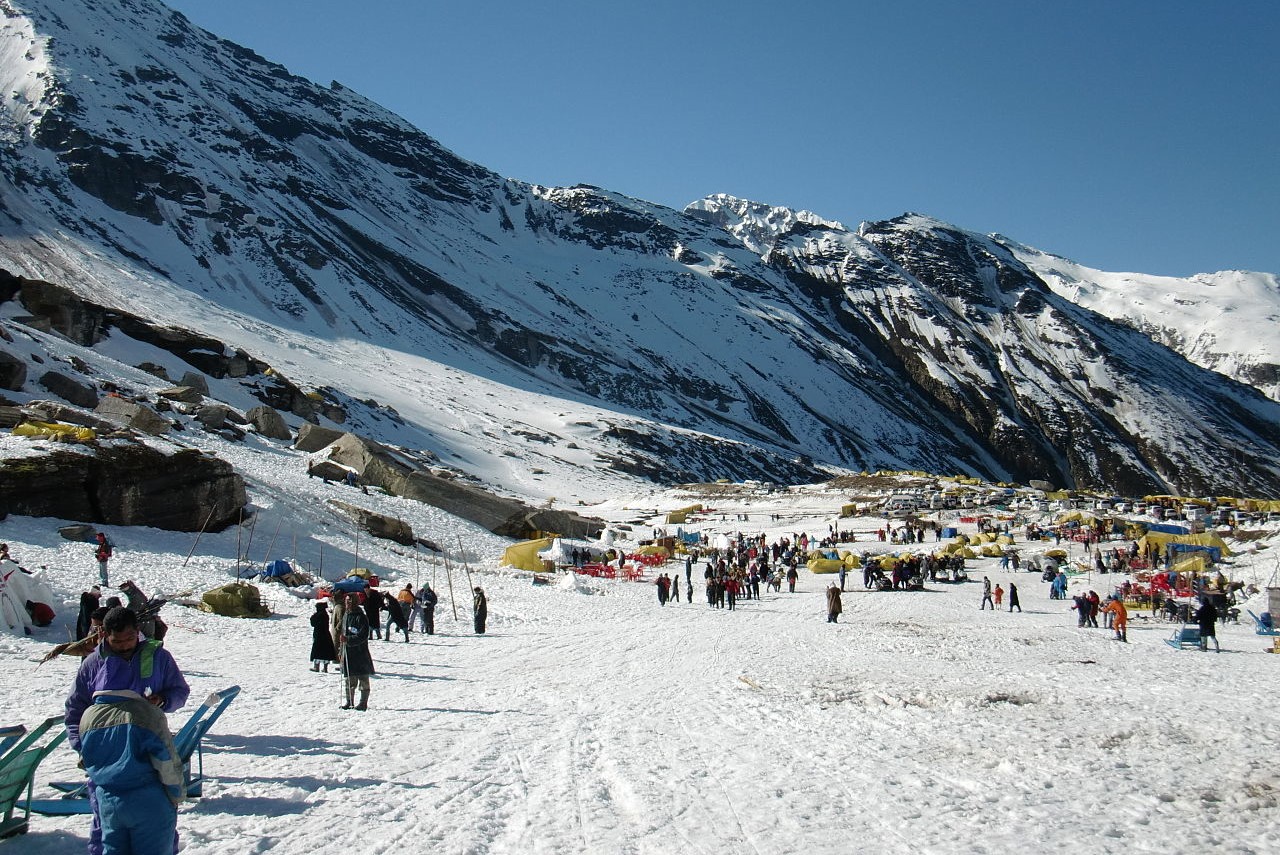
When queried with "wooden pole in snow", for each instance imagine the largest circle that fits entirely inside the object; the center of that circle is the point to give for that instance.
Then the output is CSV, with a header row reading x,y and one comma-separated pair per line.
x,y
198,536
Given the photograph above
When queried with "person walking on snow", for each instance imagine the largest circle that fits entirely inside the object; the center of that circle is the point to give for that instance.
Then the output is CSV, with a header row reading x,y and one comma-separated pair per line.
x,y
834,606
1013,598
1120,617
999,595
1207,618
986,595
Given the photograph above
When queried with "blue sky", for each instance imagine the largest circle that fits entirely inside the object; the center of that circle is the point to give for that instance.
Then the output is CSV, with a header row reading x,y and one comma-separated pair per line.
x,y
1125,135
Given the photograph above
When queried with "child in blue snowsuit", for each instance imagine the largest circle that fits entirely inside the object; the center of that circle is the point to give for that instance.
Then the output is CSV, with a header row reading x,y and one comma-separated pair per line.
x,y
129,755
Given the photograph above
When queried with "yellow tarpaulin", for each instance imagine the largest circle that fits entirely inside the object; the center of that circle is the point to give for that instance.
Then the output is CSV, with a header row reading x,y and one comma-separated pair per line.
x,y
54,430
824,565
524,555
1159,539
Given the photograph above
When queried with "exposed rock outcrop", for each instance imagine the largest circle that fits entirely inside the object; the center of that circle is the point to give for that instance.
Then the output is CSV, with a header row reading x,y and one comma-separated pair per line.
x,y
125,484
376,524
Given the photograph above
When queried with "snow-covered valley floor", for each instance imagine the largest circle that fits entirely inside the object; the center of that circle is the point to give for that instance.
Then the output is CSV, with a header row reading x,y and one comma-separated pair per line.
x,y
591,720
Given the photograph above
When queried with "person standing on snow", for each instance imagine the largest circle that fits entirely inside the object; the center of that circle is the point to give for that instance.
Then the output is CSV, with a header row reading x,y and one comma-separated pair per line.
x,y
480,607
372,610
357,664
427,599
124,660
103,552
986,595
1013,598
322,650
792,576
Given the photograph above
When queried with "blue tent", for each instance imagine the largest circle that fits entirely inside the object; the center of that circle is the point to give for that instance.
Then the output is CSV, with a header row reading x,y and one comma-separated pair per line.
x,y
1166,528
279,567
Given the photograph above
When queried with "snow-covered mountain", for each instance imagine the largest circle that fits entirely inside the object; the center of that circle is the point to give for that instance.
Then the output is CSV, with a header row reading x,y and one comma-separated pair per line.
x,y
1224,321
156,169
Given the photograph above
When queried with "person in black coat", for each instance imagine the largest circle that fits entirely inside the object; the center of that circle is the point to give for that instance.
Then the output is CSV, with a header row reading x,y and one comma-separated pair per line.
x,y
89,601
481,606
395,617
322,649
357,664
427,599
1013,598
373,610
1207,617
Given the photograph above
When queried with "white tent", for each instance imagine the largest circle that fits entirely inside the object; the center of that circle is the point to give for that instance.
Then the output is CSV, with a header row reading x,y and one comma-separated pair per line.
x,y
16,588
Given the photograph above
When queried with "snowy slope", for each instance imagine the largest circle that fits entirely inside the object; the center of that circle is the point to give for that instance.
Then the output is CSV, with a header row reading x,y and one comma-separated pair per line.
x,y
153,168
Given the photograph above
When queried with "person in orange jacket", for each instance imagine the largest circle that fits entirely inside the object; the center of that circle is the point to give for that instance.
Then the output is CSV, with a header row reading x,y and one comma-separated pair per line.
x,y
1119,617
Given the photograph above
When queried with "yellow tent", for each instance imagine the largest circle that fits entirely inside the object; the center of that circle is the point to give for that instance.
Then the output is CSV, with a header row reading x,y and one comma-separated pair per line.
x,y
524,555
824,565
1195,562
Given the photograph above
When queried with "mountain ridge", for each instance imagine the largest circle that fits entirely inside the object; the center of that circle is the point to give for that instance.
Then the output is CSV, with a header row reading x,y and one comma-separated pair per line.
x,y
186,174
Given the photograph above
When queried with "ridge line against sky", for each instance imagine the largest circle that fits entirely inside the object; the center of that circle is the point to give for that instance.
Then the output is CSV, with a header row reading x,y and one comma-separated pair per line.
x,y
1127,136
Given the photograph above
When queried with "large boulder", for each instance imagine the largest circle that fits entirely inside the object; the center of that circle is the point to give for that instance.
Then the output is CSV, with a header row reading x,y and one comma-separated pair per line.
x,y
268,422
69,389
125,484
196,381
181,394
13,372
130,414
313,437
378,466
376,524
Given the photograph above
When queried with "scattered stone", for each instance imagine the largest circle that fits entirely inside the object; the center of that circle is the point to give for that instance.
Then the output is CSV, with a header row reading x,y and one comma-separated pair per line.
x,y
268,422
133,415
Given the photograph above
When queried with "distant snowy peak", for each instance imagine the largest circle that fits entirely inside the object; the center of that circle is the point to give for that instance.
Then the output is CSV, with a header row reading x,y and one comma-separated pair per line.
x,y
756,224
1223,321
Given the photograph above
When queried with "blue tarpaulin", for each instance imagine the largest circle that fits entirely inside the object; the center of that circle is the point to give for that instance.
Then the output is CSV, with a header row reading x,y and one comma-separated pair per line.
x,y
279,567
351,584
1166,528
1215,553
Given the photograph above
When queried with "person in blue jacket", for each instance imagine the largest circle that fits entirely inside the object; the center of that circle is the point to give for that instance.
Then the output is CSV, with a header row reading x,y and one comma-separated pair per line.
x,y
124,659
129,755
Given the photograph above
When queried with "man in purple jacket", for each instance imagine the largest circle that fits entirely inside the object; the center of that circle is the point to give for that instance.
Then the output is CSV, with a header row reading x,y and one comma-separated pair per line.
x,y
125,659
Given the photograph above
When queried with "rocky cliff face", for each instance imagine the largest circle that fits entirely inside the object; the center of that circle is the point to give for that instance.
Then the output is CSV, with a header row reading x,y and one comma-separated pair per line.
x,y
144,161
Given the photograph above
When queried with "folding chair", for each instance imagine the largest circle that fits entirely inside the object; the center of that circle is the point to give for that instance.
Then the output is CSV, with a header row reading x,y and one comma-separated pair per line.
x,y
10,735
187,741
18,770
1261,628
